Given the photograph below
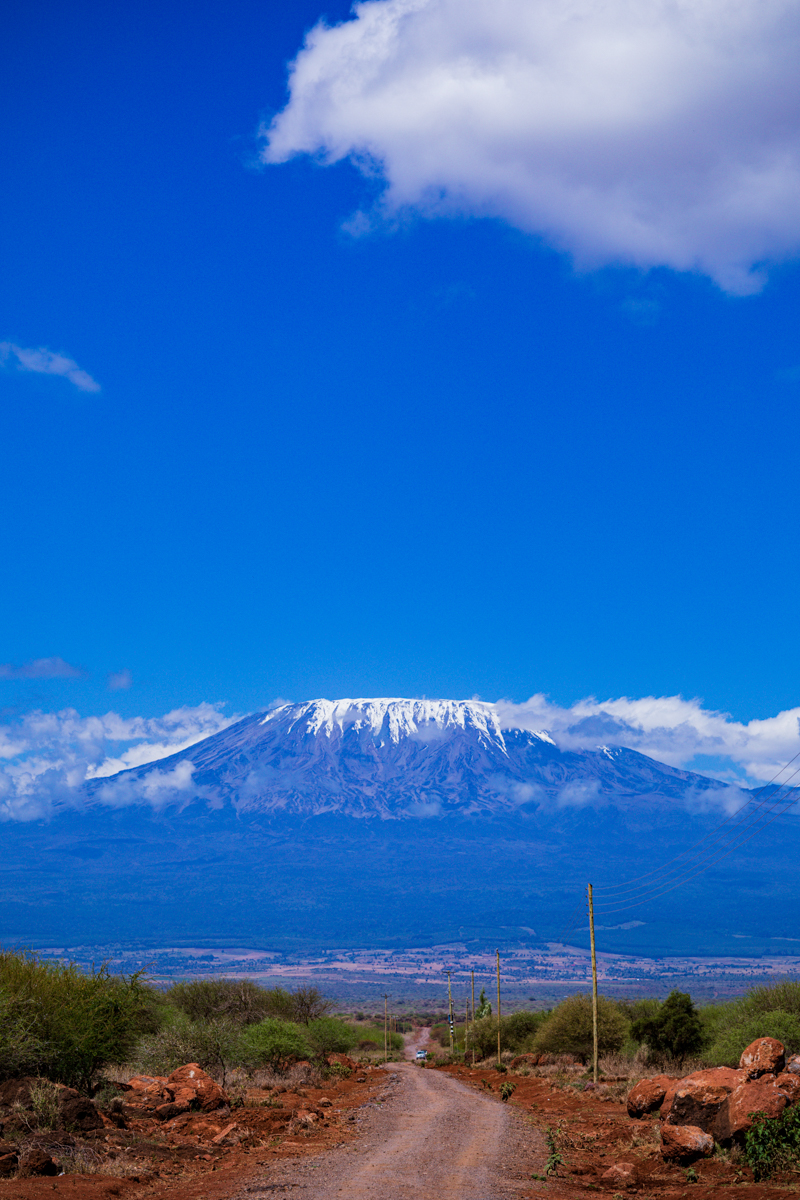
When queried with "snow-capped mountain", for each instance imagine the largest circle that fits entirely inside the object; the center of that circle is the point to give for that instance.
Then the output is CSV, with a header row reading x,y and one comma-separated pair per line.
x,y
393,758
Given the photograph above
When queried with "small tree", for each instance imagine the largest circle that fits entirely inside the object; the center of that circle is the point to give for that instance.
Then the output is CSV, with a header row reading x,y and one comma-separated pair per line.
x,y
568,1029
275,1044
308,1004
327,1036
674,1030
238,1000
484,1008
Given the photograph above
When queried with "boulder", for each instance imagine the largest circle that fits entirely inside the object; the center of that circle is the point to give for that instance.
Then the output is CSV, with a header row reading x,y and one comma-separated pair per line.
x,y
789,1085
17,1091
648,1095
192,1086
793,1065
764,1056
8,1164
37,1162
621,1174
148,1091
698,1098
685,1143
669,1096
525,1060
756,1095
77,1112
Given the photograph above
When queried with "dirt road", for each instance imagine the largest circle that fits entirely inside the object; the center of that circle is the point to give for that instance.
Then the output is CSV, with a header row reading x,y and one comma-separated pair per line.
x,y
426,1137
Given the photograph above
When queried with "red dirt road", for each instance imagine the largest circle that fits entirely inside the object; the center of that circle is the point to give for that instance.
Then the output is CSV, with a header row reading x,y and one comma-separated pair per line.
x,y
427,1137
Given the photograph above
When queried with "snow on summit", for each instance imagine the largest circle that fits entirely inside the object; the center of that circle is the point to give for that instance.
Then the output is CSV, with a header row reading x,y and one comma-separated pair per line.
x,y
391,758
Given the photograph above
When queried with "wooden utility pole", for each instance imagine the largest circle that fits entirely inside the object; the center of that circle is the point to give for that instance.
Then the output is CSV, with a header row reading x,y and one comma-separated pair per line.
x,y
473,1018
594,985
498,1008
385,1027
450,1012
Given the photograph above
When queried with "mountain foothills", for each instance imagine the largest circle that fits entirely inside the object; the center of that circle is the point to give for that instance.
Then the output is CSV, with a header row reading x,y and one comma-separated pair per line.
x,y
393,823
396,759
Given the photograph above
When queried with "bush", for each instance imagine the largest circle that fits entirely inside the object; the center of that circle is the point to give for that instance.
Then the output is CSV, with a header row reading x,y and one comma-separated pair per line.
x,y
327,1036
517,1033
214,1045
308,1004
68,1024
273,1043
674,1029
731,1041
239,1000
777,997
773,1145
568,1029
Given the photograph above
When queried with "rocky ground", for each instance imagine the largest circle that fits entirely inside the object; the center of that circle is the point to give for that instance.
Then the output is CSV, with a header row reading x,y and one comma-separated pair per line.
x,y
397,1133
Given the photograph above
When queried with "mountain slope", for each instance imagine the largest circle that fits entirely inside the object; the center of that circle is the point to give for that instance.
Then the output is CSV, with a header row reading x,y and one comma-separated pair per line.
x,y
395,758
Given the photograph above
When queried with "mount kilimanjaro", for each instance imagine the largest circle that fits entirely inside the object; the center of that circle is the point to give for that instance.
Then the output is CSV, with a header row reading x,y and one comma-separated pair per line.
x,y
390,822
396,758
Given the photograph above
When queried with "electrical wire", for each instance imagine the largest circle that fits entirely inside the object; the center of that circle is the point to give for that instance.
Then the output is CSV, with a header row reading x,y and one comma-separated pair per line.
x,y
750,801
730,838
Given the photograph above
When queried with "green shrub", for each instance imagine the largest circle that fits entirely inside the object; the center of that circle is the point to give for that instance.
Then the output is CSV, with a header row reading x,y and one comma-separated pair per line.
x,y
273,1043
773,1145
68,1024
732,1040
327,1036
674,1029
214,1045
568,1028
239,1000
777,997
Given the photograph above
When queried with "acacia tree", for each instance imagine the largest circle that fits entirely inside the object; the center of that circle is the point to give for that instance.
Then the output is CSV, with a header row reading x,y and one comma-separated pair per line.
x,y
674,1030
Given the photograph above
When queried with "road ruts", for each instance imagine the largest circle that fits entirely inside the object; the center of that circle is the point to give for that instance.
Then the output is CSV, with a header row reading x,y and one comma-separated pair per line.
x,y
433,1138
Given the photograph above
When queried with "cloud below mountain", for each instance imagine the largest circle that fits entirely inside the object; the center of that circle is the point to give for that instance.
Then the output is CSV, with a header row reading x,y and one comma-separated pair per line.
x,y
650,134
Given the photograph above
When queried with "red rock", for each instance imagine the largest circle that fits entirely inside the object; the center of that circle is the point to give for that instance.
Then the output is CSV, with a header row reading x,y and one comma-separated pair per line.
x,y
756,1095
206,1092
764,1056
525,1060
78,1112
8,1165
148,1091
669,1096
793,1064
699,1097
648,1095
37,1162
789,1085
621,1174
684,1143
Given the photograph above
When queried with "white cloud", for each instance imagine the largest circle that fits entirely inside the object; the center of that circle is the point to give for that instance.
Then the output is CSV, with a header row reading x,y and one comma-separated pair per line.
x,y
40,668
644,132
671,730
45,362
46,757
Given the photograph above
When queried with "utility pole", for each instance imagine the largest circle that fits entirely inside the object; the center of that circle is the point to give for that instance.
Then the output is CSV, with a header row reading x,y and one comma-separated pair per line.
x,y
498,1008
473,1018
385,1027
594,985
450,1012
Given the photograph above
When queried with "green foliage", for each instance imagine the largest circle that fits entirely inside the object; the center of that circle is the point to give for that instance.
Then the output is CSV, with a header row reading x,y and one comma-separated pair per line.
x,y
733,1038
238,1000
674,1029
327,1036
773,1145
568,1028
68,1024
216,1045
517,1033
507,1089
555,1158
370,1037
777,997
273,1043
484,1008
44,1102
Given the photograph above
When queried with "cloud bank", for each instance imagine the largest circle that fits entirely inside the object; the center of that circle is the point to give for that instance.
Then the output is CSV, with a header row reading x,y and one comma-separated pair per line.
x,y
45,362
643,132
46,757
670,729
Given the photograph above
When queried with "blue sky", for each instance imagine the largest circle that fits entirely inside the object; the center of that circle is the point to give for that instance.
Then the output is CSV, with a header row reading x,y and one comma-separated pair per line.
x,y
431,457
